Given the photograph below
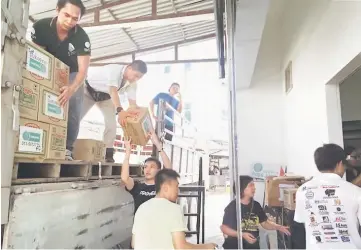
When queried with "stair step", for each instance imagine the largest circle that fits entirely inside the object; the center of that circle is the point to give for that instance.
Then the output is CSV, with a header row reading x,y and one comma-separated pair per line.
x,y
188,195
190,214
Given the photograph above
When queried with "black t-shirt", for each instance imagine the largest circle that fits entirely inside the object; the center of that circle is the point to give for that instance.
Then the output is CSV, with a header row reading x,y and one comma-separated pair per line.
x,y
352,173
76,44
252,215
141,192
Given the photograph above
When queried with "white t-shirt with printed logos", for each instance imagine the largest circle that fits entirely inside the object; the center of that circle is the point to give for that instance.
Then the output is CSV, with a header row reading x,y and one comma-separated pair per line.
x,y
330,208
154,223
101,78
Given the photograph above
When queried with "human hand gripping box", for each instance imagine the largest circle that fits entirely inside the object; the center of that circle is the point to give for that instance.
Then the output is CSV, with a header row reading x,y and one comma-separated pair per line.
x,y
50,110
139,127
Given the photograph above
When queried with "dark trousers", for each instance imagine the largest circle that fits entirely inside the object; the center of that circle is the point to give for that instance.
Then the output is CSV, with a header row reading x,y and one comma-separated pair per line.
x,y
232,243
75,108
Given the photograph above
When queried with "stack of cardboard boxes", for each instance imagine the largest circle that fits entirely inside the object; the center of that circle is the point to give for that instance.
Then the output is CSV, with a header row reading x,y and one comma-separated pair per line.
x,y
43,122
281,191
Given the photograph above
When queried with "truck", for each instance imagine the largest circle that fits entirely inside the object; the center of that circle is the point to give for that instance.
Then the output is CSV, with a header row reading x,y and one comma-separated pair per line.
x,y
92,211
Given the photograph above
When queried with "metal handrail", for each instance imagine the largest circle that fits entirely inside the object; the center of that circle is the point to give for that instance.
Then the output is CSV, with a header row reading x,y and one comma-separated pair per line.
x,y
183,118
189,144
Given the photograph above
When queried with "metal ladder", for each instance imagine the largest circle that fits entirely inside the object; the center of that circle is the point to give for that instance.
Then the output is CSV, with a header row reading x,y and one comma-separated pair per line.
x,y
199,193
193,188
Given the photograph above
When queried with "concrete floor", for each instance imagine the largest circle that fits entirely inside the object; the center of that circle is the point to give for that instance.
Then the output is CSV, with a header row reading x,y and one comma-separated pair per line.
x,y
215,203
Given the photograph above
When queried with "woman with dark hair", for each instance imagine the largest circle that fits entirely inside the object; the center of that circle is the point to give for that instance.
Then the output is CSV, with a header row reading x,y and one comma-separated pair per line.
x,y
252,216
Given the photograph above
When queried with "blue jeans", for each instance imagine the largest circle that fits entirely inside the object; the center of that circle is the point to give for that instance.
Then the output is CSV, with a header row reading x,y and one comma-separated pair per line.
x,y
75,107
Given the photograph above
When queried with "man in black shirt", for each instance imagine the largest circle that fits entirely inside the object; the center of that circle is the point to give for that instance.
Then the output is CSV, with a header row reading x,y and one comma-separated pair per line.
x,y
66,40
142,192
353,166
252,216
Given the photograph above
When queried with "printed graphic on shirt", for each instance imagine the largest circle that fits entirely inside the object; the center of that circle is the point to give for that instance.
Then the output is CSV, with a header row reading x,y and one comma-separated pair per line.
x,y
71,49
250,224
87,46
310,194
327,218
321,201
337,202
145,193
345,239
32,33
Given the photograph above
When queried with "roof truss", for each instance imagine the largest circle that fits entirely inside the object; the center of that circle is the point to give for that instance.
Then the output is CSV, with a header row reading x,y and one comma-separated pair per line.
x,y
154,48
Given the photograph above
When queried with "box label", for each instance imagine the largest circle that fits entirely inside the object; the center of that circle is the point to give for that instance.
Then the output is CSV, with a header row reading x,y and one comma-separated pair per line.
x,y
57,142
52,108
31,139
62,76
37,63
27,98
147,125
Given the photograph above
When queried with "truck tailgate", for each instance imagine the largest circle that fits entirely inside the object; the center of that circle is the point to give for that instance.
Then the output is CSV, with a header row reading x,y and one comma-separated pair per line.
x,y
96,214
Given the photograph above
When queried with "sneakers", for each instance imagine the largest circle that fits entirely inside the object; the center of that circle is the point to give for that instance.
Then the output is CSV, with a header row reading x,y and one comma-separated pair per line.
x,y
68,155
109,155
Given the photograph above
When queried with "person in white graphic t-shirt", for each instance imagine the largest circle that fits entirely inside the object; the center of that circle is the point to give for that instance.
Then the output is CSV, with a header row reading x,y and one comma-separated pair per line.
x,y
329,207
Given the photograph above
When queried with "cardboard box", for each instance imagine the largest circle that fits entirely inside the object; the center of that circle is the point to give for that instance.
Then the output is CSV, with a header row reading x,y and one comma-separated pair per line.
x,y
89,150
139,127
49,109
272,188
61,74
56,143
31,139
289,198
29,99
39,65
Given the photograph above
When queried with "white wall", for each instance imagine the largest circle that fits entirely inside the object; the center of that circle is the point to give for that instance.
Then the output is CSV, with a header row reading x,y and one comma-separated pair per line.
x,y
326,47
350,94
260,110
275,128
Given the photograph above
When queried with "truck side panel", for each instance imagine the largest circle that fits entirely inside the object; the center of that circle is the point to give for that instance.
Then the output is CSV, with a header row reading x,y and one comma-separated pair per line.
x,y
14,21
93,217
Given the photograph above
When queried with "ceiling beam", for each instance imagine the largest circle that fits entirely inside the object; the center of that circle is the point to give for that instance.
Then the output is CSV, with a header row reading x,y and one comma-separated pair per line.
x,y
154,7
148,18
155,47
130,38
107,6
162,62
123,30
179,25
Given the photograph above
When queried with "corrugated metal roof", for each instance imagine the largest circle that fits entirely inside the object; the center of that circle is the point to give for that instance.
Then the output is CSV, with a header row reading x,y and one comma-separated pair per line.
x,y
110,40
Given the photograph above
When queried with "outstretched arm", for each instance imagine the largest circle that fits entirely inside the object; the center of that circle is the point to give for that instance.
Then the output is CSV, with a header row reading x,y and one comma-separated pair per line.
x,y
128,181
166,161
269,225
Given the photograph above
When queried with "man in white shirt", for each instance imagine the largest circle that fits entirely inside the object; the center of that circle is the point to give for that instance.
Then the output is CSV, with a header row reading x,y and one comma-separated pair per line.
x,y
103,86
329,206
159,222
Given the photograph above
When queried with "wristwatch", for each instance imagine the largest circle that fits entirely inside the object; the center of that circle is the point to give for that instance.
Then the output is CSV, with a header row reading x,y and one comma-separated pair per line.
x,y
119,109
